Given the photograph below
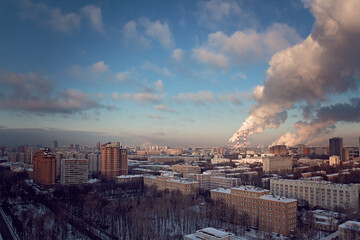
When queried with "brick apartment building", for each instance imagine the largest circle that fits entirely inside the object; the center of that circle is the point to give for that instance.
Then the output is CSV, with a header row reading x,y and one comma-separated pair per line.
x,y
268,212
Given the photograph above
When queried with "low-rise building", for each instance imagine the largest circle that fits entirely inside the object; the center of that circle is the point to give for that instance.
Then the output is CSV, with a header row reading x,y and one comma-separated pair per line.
x,y
318,193
210,234
162,183
349,230
334,160
213,181
129,179
269,213
184,168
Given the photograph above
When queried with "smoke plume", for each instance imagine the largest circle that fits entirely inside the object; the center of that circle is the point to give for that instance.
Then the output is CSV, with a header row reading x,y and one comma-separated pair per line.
x,y
326,62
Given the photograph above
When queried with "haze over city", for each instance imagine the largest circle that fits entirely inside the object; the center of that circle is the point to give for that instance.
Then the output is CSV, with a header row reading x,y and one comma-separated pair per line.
x,y
179,73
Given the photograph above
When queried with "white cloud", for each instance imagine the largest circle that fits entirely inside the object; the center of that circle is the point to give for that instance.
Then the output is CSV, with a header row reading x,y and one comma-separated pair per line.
x,y
158,31
201,97
163,108
94,15
155,68
65,23
246,46
131,34
178,54
238,76
234,98
159,85
142,97
214,59
215,11
59,21
143,30
98,68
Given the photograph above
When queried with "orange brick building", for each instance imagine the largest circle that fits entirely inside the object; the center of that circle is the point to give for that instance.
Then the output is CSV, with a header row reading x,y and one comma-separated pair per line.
x,y
269,213
114,160
183,168
44,167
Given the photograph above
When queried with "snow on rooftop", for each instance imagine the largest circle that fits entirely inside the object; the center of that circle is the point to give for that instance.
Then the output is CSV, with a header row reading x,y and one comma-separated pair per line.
x,y
214,232
222,190
277,198
250,189
130,176
94,180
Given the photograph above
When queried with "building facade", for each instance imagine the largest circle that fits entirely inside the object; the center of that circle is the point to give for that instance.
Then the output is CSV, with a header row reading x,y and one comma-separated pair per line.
x,y
74,171
172,184
334,160
271,164
318,193
183,168
267,212
44,167
349,230
336,147
278,150
114,161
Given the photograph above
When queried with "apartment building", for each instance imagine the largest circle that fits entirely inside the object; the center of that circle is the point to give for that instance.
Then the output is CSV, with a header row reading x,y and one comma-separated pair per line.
x,y
349,230
318,193
74,171
213,181
210,234
183,168
269,213
172,184
114,161
271,164
44,167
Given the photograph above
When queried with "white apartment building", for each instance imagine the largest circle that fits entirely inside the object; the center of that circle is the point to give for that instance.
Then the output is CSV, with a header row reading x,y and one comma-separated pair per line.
x,y
213,181
318,193
334,160
74,171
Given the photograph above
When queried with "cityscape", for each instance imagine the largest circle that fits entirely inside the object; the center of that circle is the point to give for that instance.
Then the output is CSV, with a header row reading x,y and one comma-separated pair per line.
x,y
193,120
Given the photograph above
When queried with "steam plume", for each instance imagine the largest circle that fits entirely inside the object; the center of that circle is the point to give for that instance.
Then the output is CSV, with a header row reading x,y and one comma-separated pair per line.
x,y
326,62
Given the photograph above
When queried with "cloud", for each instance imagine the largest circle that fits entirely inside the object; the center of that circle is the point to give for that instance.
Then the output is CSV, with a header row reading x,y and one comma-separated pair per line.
x,y
98,68
116,96
190,120
231,97
245,46
159,85
153,116
130,34
94,15
201,97
238,76
217,60
158,31
142,97
38,95
178,54
142,31
327,62
164,108
216,11
155,68
58,21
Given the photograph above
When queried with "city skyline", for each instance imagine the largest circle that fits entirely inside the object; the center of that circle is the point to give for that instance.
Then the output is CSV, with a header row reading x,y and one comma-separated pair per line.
x,y
179,73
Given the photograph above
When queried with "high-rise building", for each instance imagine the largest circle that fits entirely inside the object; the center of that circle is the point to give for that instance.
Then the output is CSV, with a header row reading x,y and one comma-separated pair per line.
x,y
54,145
113,160
278,150
74,171
336,147
300,149
98,146
44,167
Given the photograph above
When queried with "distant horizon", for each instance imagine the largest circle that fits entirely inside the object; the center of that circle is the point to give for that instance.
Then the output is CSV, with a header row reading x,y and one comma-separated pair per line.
x,y
180,72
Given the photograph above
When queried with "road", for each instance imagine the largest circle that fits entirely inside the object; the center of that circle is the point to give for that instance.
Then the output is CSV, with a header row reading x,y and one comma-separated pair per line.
x,y
4,230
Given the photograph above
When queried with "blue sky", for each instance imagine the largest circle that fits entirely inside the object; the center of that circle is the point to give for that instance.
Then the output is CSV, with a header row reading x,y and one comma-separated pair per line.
x,y
141,72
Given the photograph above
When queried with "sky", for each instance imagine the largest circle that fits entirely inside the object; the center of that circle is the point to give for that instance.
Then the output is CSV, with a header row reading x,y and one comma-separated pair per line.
x,y
179,73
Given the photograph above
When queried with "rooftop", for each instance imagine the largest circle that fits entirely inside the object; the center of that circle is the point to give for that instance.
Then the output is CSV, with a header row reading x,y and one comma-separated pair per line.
x,y
277,199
